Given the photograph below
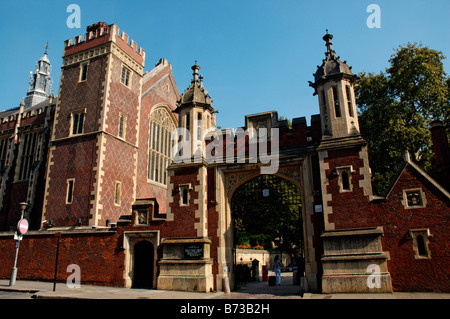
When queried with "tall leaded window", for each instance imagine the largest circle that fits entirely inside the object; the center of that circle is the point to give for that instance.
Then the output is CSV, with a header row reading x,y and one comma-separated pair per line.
x,y
160,145
27,154
348,92
337,108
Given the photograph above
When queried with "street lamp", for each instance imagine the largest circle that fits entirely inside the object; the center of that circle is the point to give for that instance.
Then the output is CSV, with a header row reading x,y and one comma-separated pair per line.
x,y
22,227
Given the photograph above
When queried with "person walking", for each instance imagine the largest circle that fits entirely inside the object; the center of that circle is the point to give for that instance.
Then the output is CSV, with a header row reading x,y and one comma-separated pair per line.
x,y
277,269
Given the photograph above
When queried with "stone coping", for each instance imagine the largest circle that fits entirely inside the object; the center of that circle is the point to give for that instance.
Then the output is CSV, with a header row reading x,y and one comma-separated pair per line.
x,y
353,232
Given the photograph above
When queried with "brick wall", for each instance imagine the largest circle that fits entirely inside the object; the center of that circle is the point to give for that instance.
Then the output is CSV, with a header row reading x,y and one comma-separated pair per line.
x,y
97,255
72,158
158,89
355,210
407,272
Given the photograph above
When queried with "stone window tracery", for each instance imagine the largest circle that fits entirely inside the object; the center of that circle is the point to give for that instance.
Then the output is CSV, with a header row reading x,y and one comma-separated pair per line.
x,y
160,145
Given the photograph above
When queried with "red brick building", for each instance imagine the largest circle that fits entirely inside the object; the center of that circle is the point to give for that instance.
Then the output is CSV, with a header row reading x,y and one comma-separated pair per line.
x,y
97,164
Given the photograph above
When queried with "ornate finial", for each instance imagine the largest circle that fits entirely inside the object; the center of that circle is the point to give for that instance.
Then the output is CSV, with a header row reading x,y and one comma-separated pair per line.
x,y
327,38
195,68
46,48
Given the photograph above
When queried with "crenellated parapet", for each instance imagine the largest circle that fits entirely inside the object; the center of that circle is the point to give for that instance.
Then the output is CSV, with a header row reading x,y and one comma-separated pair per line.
x,y
100,39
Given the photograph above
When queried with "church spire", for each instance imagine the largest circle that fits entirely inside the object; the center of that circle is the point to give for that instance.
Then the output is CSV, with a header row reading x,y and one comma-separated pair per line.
x,y
40,84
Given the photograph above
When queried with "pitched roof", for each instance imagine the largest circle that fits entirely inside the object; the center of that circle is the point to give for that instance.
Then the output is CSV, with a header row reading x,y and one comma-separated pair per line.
x,y
410,163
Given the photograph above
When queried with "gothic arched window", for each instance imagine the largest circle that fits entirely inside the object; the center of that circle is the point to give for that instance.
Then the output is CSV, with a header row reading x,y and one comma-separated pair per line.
x,y
160,145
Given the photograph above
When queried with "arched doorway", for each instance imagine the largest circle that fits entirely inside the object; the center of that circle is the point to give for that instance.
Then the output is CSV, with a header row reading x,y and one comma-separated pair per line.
x,y
267,215
143,265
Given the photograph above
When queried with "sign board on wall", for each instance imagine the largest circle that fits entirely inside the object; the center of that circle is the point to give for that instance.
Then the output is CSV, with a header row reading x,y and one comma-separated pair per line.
x,y
193,251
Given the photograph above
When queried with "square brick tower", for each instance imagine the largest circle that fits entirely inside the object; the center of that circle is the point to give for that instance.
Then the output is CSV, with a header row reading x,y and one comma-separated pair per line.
x,y
91,173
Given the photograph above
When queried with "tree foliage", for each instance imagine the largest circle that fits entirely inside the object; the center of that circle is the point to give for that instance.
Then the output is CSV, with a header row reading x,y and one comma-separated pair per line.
x,y
260,219
397,106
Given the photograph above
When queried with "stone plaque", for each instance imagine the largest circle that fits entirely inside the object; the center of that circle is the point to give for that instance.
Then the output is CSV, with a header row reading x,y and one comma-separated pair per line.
x,y
193,251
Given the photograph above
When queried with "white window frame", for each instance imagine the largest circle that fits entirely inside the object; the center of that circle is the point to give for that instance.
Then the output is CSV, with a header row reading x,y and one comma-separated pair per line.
x,y
70,180
126,82
82,65
72,121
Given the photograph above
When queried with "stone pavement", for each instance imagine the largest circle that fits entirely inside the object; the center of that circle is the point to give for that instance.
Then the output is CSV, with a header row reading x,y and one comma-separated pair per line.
x,y
252,290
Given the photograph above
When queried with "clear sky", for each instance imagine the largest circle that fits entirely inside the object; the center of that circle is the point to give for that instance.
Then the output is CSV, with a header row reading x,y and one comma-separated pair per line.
x,y
255,55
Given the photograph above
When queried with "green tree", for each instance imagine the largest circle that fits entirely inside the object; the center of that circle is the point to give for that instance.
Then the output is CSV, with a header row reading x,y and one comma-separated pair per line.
x,y
397,106
260,219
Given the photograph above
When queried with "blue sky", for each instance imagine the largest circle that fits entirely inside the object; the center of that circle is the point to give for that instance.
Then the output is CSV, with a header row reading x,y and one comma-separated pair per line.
x,y
255,56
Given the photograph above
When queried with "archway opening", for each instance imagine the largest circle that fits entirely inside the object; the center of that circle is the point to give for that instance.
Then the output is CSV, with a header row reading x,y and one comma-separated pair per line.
x,y
267,215
143,265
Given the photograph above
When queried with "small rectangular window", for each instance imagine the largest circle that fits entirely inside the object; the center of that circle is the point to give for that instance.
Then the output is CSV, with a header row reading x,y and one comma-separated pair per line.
x,y
199,126
83,72
118,193
122,125
125,78
188,121
69,192
77,123
336,102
